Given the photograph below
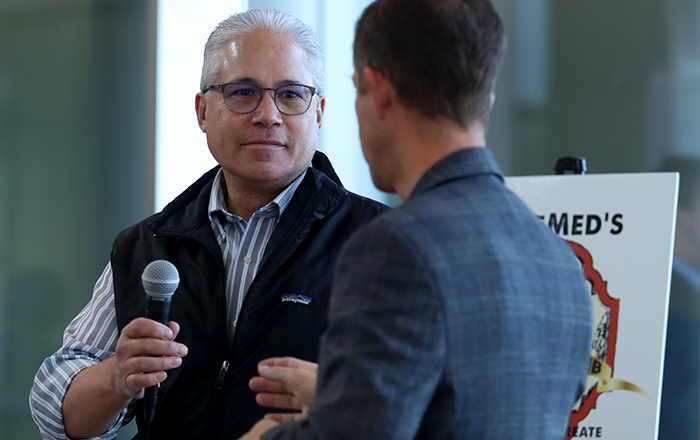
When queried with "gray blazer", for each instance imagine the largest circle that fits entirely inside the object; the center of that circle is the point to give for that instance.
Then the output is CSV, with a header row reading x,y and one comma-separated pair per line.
x,y
458,315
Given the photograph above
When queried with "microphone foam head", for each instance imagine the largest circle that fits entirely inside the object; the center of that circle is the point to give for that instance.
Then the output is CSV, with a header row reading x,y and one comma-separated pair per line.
x,y
160,279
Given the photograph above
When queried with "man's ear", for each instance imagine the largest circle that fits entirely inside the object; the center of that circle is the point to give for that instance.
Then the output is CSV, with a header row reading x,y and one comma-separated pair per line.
x,y
320,108
381,89
200,106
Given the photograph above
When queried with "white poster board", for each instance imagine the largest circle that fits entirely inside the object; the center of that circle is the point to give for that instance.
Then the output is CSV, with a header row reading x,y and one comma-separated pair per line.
x,y
622,228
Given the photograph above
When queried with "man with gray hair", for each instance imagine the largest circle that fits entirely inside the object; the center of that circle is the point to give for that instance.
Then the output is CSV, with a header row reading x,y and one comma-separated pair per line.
x,y
254,240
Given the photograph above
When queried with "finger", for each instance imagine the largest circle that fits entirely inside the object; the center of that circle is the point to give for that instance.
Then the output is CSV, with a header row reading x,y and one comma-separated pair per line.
x,y
147,328
260,384
285,417
137,382
157,347
290,362
311,367
128,348
150,364
290,377
279,374
285,401
175,327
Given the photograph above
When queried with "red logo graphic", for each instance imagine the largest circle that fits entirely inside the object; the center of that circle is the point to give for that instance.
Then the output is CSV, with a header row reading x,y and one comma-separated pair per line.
x,y
605,315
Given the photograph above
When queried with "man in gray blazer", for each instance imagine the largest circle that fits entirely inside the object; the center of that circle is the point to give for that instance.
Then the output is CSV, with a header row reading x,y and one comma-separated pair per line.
x,y
458,315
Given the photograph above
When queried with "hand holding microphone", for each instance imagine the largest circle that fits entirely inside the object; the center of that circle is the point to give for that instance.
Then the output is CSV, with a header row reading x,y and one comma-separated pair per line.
x,y
147,349
160,280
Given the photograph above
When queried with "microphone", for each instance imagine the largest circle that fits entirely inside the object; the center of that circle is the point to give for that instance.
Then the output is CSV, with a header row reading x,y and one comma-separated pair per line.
x,y
160,279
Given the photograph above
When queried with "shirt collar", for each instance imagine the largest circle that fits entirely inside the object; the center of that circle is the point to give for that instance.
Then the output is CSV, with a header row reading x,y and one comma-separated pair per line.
x,y
217,200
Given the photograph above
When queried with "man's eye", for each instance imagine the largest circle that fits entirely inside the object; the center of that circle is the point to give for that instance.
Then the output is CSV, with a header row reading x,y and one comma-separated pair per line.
x,y
289,94
243,92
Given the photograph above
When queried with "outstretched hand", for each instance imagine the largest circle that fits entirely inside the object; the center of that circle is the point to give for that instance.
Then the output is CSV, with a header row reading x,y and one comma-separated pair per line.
x,y
287,383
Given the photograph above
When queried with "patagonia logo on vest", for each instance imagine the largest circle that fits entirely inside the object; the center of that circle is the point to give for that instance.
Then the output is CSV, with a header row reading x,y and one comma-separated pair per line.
x,y
295,298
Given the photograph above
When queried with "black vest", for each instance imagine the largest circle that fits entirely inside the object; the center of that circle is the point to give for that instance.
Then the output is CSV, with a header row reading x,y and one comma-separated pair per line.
x,y
284,312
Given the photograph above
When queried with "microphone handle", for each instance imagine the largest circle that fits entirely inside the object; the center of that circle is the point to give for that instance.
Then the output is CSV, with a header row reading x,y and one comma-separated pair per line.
x,y
157,309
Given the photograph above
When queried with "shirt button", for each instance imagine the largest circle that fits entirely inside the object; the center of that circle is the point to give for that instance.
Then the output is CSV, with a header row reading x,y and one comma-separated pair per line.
x,y
229,218
247,259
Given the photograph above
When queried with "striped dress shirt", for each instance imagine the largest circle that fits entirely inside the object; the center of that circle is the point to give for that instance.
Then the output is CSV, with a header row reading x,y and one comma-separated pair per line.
x,y
92,335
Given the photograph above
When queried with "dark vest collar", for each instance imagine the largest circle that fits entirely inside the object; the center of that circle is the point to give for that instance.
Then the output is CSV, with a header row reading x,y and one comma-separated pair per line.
x,y
187,215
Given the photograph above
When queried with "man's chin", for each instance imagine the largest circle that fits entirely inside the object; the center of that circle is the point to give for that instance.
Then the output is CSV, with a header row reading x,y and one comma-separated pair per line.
x,y
383,185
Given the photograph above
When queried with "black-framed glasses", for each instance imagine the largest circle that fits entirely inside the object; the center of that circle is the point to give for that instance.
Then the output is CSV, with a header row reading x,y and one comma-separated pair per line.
x,y
290,99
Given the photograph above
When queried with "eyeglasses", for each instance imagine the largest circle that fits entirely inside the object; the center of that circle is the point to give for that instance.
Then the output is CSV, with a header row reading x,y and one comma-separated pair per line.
x,y
291,99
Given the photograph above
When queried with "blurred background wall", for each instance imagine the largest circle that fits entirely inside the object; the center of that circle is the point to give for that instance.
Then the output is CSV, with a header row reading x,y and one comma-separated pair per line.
x,y
614,81
76,160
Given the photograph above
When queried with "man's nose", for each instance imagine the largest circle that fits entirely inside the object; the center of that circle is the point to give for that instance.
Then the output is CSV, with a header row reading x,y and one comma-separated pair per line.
x,y
267,112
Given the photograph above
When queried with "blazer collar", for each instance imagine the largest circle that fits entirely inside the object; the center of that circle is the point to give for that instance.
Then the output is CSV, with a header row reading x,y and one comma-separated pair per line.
x,y
464,163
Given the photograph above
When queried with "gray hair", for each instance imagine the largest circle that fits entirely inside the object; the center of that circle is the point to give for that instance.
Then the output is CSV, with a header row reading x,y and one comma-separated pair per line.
x,y
244,23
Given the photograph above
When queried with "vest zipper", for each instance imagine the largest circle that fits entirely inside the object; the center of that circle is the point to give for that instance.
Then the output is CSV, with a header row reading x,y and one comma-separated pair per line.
x,y
220,380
